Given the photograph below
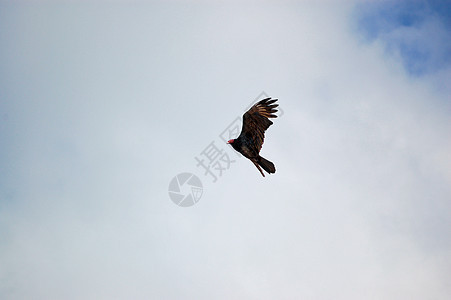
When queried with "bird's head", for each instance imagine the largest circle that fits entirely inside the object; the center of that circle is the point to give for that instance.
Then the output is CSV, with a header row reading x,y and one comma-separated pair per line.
x,y
230,141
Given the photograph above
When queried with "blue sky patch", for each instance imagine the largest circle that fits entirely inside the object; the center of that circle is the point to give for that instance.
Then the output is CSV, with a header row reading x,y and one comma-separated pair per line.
x,y
418,32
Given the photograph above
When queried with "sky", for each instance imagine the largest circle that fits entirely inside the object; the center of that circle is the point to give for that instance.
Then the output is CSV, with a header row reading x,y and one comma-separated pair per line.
x,y
103,104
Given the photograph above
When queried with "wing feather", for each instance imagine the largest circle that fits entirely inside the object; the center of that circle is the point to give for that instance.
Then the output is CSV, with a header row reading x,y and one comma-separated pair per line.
x,y
256,121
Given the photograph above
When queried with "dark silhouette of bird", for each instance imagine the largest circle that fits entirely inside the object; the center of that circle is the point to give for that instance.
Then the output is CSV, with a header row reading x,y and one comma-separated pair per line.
x,y
249,142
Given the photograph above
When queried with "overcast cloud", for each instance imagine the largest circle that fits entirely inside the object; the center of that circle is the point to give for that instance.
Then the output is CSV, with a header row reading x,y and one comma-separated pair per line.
x,y
101,105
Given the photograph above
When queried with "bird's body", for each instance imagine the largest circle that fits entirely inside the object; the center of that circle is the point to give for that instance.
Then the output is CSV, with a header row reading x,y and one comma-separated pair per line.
x,y
250,141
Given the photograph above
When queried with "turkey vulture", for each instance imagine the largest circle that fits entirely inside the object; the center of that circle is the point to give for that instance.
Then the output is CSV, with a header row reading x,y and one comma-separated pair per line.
x,y
250,141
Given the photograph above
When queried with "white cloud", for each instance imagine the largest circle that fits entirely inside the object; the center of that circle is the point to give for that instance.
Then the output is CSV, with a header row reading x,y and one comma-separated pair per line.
x,y
115,101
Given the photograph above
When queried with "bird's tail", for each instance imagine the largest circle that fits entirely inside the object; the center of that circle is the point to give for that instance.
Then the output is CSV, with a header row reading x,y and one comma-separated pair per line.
x,y
266,165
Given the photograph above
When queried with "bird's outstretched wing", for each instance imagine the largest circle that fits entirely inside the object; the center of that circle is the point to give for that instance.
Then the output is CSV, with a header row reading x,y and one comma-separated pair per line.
x,y
256,121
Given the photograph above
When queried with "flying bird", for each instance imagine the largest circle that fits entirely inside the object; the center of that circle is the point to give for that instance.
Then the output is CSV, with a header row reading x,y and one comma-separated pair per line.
x,y
249,142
